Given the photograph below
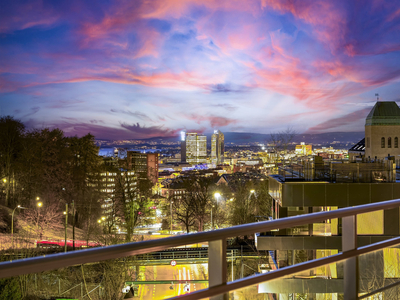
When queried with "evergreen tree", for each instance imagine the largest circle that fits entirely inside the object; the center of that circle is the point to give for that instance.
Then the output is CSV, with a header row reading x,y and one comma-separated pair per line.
x,y
11,133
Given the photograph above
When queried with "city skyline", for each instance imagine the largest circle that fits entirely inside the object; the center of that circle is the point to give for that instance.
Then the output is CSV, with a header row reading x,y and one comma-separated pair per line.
x,y
134,70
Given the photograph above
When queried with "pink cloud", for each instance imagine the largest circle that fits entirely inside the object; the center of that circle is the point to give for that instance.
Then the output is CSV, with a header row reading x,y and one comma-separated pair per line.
x,y
215,121
328,18
30,14
179,8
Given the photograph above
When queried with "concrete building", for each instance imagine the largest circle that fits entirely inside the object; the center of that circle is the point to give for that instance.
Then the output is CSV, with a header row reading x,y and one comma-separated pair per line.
x,y
217,147
303,149
145,165
112,180
357,151
382,131
318,185
324,186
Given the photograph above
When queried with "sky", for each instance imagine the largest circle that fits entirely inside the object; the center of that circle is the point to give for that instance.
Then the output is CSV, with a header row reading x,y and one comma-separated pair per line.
x,y
141,69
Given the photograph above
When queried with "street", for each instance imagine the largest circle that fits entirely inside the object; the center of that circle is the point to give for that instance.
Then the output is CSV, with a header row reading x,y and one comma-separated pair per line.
x,y
178,272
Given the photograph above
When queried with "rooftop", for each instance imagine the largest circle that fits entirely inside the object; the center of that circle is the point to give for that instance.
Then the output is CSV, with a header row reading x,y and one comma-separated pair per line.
x,y
384,113
360,146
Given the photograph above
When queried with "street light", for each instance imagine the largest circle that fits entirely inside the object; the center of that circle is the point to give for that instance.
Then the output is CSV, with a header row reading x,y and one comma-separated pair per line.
x,y
39,205
66,226
212,225
101,221
171,217
12,224
216,196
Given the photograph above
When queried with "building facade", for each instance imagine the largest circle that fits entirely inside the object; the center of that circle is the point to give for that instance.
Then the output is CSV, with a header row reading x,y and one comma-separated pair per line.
x,y
195,148
113,182
325,186
382,131
303,149
143,164
217,147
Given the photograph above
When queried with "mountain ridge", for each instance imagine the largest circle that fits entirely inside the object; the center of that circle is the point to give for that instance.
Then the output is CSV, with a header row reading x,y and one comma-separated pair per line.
x,y
249,137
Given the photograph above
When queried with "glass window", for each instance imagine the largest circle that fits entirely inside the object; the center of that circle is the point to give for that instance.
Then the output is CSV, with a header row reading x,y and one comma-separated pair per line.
x,y
396,142
389,142
383,142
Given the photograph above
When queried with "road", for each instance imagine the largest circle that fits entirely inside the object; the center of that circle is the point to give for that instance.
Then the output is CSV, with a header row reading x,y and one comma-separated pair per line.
x,y
179,272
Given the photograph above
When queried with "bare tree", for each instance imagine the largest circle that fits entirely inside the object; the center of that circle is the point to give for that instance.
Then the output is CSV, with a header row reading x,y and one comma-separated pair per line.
x,y
282,139
251,201
45,218
183,209
194,204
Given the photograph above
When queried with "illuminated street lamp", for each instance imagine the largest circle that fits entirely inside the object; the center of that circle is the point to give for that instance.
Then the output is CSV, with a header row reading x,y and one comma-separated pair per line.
x,y
66,226
216,195
171,217
39,205
101,221
12,224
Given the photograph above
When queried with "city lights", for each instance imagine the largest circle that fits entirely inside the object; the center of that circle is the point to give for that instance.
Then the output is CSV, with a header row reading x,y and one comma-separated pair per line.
x,y
207,149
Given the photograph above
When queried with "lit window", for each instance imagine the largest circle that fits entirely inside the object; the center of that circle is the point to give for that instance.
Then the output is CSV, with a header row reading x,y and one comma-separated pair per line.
x,y
383,142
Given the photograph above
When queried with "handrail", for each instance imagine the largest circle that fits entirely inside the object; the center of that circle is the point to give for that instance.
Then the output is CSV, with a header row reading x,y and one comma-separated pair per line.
x,y
60,260
56,261
253,280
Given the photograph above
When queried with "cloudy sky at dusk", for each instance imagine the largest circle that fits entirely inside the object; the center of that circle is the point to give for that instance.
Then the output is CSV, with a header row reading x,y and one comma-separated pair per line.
x,y
138,69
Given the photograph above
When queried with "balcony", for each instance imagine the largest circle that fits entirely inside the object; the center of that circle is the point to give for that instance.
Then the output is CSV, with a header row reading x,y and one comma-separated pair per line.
x,y
357,271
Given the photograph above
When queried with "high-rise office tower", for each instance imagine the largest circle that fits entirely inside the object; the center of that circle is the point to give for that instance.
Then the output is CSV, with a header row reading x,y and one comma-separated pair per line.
x,y
193,148
145,165
217,147
183,146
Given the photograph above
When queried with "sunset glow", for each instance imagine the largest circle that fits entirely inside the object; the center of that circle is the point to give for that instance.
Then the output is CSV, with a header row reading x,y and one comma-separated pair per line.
x,y
140,69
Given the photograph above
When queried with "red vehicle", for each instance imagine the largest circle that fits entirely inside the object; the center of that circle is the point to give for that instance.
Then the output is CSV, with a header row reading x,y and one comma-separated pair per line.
x,y
61,244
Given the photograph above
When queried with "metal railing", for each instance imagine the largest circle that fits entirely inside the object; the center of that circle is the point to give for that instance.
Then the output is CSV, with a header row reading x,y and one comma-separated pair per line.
x,y
217,263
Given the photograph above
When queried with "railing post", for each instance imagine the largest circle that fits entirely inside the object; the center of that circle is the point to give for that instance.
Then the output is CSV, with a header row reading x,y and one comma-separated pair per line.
x,y
350,266
217,265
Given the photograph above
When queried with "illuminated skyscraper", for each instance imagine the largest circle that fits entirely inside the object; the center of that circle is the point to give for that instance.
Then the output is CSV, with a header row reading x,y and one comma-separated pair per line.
x,y
193,148
217,147
183,146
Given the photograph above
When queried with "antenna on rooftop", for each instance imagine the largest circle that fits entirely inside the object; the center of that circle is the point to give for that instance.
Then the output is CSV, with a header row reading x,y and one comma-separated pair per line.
x,y
377,97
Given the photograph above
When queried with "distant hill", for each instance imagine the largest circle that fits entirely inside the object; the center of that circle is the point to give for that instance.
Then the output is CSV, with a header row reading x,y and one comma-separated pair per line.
x,y
321,138
330,137
251,138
